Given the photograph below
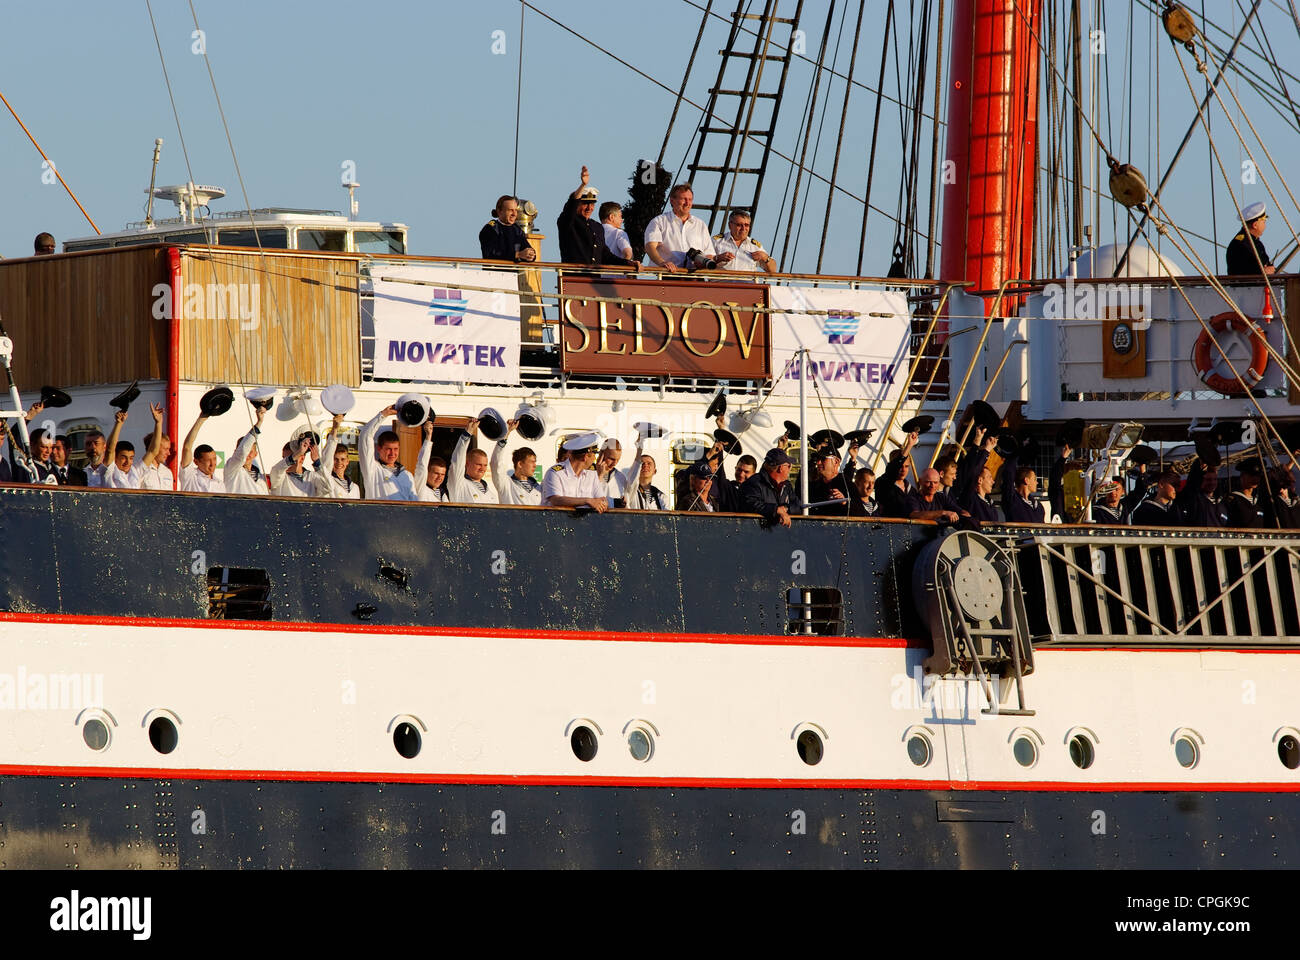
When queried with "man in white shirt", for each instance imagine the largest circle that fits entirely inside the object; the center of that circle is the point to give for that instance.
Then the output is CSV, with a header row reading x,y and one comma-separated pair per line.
x,y
241,474
199,466
613,481
96,458
158,450
571,484
670,236
124,473
384,477
295,475
641,492
435,482
465,483
334,483
518,486
616,239
747,253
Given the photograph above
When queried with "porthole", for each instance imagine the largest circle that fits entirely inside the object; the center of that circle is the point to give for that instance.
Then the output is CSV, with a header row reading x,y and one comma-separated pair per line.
x,y
918,749
95,734
1025,751
810,747
1082,752
640,744
163,734
1187,753
1288,751
406,740
584,743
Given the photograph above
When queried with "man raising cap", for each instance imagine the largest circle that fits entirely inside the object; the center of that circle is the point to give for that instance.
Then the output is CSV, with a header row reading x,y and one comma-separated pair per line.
x,y
465,483
769,492
158,450
241,474
572,483
199,465
295,475
582,239
674,234
517,486
1246,254
333,481
435,482
1105,506
1159,510
384,477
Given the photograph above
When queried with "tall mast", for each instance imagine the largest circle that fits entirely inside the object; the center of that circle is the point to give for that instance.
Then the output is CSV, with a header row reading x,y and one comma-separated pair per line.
x,y
992,142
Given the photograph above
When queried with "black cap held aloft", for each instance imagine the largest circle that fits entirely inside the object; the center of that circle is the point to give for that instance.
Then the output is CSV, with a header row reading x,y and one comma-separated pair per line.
x,y
920,424
212,404
124,399
54,397
729,442
718,407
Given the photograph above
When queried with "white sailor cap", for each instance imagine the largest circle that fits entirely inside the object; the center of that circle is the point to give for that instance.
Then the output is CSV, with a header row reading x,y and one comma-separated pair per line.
x,y
583,441
588,195
259,393
1253,212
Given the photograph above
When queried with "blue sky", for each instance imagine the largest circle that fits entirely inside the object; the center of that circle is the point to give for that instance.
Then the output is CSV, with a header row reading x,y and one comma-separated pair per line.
x,y
413,94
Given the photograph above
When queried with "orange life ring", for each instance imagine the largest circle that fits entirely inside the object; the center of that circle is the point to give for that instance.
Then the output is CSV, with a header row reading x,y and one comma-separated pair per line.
x,y
1204,352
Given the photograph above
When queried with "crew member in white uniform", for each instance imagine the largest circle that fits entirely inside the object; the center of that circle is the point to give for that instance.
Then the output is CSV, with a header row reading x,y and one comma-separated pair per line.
x,y
384,477
671,235
157,475
293,476
240,473
335,483
124,473
465,483
641,492
518,486
199,466
614,480
571,483
747,253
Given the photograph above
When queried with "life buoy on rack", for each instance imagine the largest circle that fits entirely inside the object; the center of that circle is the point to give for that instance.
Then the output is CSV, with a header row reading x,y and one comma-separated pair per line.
x,y
1205,353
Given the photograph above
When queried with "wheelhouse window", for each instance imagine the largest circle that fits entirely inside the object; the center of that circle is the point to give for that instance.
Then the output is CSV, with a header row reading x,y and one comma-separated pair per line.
x,y
329,240
246,237
381,242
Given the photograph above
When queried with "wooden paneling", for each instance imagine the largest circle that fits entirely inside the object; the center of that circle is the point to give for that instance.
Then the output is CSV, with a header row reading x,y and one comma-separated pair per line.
x,y
280,319
80,319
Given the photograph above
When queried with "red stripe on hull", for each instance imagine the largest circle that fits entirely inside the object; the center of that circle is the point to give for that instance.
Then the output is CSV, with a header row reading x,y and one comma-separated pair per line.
x,y
543,780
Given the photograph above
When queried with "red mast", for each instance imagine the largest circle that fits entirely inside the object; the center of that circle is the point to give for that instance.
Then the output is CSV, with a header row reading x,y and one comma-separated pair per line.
x,y
988,208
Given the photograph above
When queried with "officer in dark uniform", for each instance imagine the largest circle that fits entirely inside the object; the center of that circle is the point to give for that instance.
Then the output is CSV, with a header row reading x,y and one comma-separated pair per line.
x,y
769,492
582,239
1242,249
502,238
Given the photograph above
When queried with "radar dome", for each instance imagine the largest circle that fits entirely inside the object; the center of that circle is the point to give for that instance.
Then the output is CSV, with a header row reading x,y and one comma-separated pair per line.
x,y
1142,262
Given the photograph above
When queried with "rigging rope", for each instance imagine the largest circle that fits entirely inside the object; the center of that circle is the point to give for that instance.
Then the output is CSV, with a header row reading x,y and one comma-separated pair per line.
x,y
50,164
839,141
641,73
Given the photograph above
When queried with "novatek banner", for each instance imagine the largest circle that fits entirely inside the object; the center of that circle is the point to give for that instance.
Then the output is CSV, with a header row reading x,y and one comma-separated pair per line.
x,y
442,328
857,341
664,328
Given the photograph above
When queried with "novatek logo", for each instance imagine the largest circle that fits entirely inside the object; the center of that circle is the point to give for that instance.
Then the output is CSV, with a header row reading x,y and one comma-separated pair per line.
x,y
448,307
76,913
841,327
